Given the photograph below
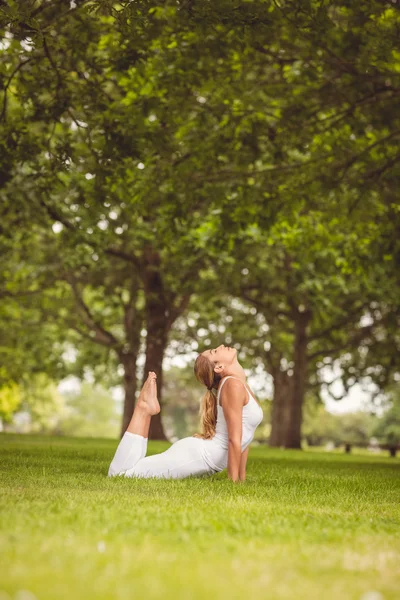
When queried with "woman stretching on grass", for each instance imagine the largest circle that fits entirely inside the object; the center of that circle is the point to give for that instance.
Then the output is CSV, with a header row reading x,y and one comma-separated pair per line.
x,y
229,421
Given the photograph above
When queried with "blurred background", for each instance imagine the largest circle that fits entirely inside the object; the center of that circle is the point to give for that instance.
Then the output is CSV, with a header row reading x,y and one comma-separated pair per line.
x,y
172,179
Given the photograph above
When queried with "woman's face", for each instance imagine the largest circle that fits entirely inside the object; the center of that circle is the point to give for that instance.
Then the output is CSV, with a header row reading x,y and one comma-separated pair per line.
x,y
224,355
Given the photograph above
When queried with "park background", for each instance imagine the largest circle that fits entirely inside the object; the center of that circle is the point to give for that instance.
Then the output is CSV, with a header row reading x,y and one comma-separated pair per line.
x,y
176,175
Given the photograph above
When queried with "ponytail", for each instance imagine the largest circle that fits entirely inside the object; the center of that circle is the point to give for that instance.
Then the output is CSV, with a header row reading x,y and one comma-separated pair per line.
x,y
205,374
208,416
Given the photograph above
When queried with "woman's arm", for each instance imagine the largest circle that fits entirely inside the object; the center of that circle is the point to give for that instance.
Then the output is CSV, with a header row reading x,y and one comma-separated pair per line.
x,y
233,409
243,462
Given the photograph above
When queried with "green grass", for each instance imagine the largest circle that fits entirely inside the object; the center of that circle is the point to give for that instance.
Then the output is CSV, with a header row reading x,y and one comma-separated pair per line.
x,y
303,525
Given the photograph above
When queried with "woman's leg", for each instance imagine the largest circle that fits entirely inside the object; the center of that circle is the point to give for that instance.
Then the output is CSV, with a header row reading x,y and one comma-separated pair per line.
x,y
133,444
147,405
182,459
131,449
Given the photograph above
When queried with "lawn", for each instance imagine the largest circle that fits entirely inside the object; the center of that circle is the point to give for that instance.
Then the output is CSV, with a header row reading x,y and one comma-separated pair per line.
x,y
303,525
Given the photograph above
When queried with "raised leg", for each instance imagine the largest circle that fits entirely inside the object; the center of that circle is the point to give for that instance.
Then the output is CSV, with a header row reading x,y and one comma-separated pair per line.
x,y
147,405
183,459
133,444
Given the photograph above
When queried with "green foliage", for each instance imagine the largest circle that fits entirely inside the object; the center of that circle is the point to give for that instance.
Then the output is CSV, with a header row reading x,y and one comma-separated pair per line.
x,y
10,400
91,412
388,427
182,394
42,402
356,428
321,427
264,170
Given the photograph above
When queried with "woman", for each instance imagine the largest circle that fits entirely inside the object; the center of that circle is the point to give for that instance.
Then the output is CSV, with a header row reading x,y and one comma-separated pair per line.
x,y
229,421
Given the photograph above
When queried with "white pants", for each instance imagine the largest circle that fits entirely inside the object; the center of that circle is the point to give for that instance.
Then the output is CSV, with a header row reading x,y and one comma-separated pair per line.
x,y
184,458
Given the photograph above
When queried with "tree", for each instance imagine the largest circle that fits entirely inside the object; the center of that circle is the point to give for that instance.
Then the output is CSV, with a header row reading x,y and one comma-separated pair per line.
x,y
182,394
29,344
355,429
319,426
95,179
348,429
91,412
41,403
387,429
139,133
10,400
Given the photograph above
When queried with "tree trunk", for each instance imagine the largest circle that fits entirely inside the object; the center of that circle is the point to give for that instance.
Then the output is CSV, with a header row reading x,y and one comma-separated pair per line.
x,y
280,407
133,323
129,363
393,451
154,359
160,313
157,331
347,448
293,432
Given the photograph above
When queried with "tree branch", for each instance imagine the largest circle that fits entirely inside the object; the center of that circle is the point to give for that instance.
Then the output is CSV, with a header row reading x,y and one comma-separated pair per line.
x,y
356,339
175,311
102,334
349,163
19,294
131,258
117,252
9,80
347,319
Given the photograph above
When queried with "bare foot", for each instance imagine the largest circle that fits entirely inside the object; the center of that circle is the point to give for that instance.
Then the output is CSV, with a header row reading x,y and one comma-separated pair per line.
x,y
148,395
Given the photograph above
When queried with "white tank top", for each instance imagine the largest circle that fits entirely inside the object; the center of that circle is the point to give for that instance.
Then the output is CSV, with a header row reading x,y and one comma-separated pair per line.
x,y
252,416
216,449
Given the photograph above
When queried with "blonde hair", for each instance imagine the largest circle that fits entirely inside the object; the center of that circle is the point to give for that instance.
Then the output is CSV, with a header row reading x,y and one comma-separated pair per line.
x,y
205,374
